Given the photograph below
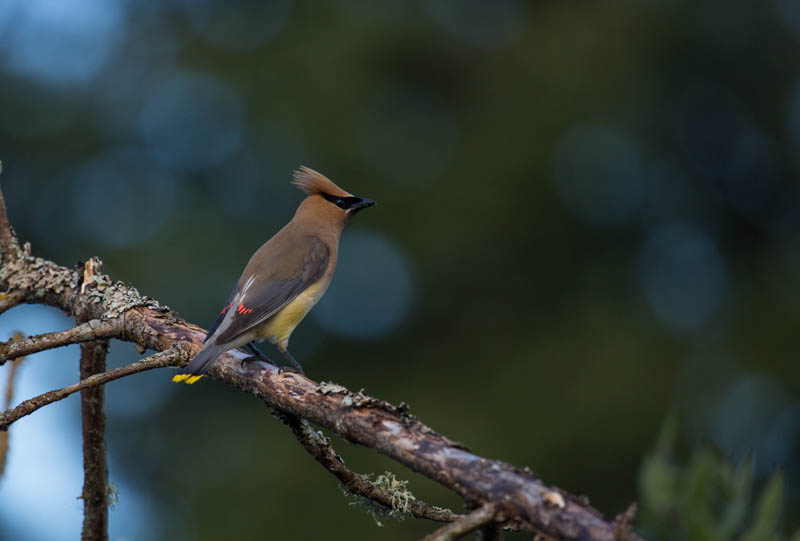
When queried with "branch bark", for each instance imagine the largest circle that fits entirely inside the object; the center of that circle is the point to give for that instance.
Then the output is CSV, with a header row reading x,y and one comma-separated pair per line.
x,y
519,495
91,330
171,357
9,395
465,524
10,300
319,447
95,466
8,241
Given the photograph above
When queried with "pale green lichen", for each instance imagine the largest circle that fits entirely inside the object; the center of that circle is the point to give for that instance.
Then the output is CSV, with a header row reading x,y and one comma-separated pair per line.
x,y
328,387
112,495
400,498
118,298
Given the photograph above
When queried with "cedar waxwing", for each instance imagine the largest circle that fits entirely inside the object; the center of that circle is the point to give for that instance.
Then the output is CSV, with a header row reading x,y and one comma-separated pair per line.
x,y
285,278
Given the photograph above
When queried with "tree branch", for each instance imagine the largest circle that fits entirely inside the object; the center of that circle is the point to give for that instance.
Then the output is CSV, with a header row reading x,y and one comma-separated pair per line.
x,y
465,524
91,330
10,300
171,357
623,523
95,492
9,247
12,374
519,495
319,447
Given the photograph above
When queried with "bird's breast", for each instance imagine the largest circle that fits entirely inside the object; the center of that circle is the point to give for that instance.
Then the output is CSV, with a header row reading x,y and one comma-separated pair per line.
x,y
278,328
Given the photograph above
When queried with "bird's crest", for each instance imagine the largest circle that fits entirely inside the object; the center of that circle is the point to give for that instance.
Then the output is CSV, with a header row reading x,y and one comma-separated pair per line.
x,y
313,182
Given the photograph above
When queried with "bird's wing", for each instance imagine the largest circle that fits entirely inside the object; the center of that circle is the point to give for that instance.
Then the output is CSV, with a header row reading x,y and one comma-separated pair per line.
x,y
221,316
270,285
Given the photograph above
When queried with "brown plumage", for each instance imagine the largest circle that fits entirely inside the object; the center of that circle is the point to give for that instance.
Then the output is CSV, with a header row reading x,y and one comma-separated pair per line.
x,y
312,182
285,278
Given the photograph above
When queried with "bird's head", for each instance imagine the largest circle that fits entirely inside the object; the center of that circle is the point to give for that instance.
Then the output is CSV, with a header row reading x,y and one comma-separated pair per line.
x,y
326,197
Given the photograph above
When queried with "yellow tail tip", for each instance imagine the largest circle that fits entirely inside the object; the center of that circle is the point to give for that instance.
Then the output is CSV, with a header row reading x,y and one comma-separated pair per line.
x,y
186,378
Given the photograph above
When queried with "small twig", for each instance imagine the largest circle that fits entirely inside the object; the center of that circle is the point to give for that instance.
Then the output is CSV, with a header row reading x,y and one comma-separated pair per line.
x,y
467,523
95,465
12,374
91,330
320,448
623,523
171,357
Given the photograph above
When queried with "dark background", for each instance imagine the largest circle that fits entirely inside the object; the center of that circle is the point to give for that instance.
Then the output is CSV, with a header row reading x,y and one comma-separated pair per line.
x,y
587,221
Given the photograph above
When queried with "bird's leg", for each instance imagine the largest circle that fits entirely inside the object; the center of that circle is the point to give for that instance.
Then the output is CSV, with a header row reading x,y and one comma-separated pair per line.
x,y
255,351
292,360
258,355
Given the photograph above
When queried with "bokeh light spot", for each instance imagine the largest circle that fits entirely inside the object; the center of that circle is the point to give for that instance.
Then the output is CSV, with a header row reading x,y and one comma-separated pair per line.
x,y
708,120
121,198
598,174
751,179
683,276
253,182
238,25
406,136
372,290
192,120
723,145
60,43
788,12
38,111
745,418
481,23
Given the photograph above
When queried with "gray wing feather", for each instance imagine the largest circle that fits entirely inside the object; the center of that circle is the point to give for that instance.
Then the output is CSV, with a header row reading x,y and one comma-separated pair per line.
x,y
249,306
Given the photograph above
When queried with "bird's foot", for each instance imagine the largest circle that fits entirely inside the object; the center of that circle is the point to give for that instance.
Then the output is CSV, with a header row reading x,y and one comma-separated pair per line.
x,y
257,358
291,359
292,369
257,355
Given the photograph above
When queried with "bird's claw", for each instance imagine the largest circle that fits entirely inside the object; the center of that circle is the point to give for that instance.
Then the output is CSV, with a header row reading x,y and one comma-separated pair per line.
x,y
291,369
256,358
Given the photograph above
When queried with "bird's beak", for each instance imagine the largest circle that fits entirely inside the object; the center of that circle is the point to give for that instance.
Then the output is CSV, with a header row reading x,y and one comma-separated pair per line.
x,y
362,204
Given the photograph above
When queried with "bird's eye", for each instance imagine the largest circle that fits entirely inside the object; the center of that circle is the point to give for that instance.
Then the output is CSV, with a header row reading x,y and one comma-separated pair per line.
x,y
341,202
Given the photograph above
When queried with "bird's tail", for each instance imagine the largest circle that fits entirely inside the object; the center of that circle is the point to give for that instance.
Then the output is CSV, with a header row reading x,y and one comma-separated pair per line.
x,y
200,364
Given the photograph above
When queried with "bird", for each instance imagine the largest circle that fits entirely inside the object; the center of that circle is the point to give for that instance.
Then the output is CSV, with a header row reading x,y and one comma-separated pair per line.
x,y
284,278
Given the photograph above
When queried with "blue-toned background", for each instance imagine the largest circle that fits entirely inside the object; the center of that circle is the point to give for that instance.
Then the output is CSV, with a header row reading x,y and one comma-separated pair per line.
x,y
588,217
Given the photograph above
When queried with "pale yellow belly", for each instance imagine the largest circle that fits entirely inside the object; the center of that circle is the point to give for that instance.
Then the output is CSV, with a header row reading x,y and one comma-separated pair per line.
x,y
279,327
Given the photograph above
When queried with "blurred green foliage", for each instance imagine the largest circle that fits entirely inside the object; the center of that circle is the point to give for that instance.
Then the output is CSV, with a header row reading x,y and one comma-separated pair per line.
x,y
708,498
